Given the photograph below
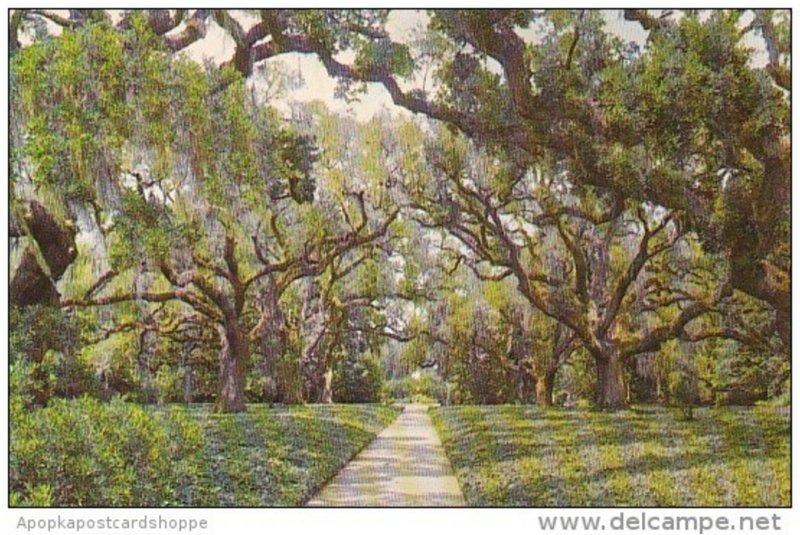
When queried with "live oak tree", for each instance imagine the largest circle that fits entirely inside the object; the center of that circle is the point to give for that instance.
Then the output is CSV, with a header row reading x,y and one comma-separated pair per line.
x,y
719,130
352,304
342,315
687,123
576,257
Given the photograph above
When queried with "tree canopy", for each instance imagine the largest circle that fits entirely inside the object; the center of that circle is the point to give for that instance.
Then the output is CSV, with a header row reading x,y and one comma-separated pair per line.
x,y
619,199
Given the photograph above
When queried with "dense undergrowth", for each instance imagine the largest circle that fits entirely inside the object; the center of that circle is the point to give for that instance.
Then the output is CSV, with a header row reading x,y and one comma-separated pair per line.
x,y
88,453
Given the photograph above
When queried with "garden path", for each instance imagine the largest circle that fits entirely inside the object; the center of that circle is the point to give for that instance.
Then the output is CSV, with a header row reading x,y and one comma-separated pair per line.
x,y
404,466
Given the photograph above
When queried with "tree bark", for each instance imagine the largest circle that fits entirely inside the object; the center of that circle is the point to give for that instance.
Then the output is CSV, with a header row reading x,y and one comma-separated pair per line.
x,y
145,373
610,382
326,395
312,354
56,241
188,348
233,352
271,335
187,385
544,389
31,283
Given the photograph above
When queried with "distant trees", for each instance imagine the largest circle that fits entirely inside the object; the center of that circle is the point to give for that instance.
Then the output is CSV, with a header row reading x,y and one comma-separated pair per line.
x,y
493,347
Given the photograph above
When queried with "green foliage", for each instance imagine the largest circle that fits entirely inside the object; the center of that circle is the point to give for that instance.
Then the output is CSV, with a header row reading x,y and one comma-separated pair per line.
x,y
97,103
88,453
522,456
385,54
739,375
493,346
33,329
168,384
579,377
72,93
358,378
425,388
714,371
43,356
703,102
145,230
281,456
683,390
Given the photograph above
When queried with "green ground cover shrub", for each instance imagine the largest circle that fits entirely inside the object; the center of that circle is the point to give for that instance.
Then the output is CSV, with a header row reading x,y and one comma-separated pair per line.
x,y
86,452
357,379
278,456
518,455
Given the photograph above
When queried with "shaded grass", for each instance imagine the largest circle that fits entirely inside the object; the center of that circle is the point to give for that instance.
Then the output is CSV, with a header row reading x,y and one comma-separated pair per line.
x,y
516,455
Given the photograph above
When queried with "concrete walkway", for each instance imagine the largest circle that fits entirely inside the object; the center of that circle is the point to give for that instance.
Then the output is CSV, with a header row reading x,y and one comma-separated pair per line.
x,y
404,466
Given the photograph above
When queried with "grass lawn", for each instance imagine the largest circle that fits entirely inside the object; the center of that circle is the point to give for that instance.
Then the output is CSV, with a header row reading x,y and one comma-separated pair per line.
x,y
516,455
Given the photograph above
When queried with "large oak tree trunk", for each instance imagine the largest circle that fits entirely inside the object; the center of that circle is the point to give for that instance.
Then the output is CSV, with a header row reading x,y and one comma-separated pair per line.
x,y
312,356
146,348
544,389
270,334
610,382
31,283
233,353
769,284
